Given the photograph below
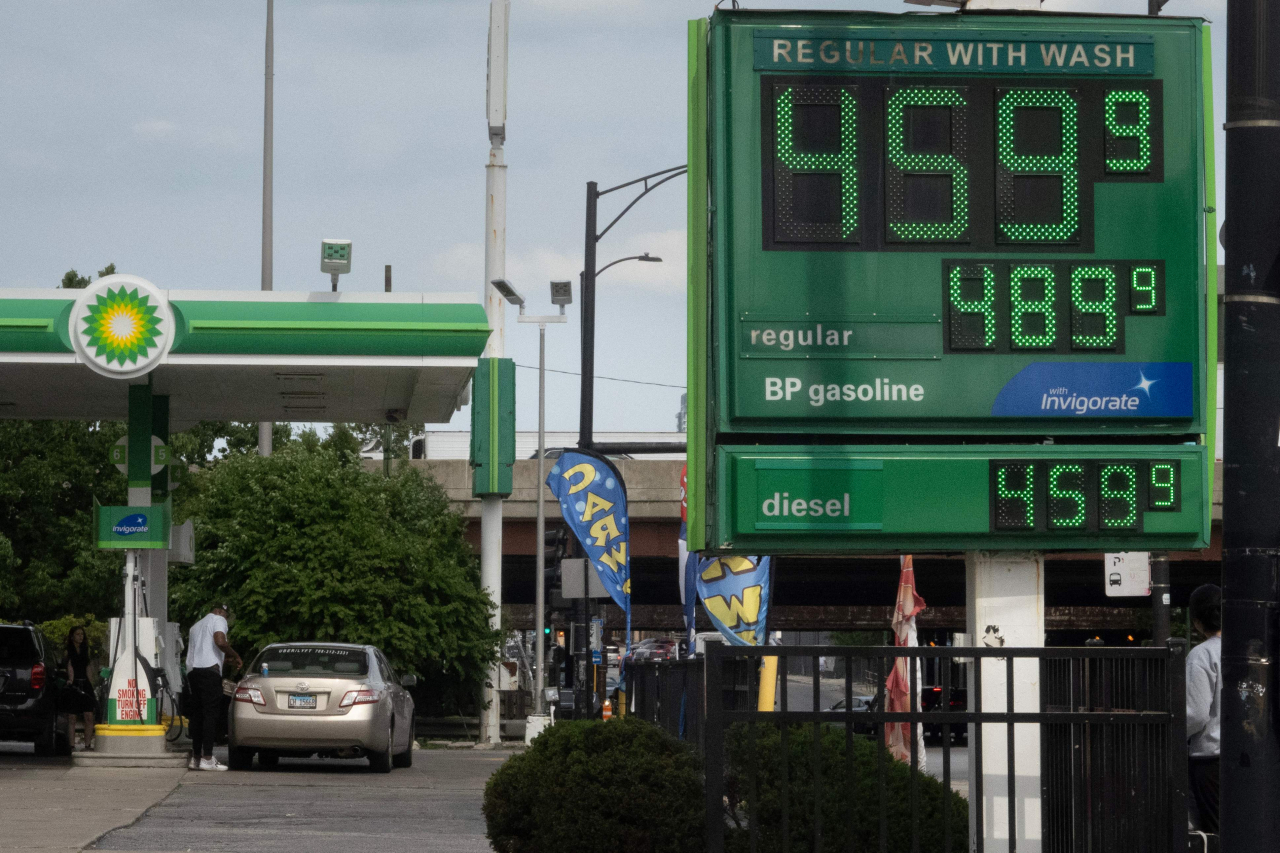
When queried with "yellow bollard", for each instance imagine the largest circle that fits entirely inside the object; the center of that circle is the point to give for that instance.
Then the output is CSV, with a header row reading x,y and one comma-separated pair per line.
x,y
768,683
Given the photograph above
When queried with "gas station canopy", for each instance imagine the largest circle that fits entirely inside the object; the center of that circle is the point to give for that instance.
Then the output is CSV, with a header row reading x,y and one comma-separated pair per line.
x,y
237,355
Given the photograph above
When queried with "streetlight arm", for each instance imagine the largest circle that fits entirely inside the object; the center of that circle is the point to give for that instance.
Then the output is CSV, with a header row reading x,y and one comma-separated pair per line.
x,y
675,172
643,180
618,261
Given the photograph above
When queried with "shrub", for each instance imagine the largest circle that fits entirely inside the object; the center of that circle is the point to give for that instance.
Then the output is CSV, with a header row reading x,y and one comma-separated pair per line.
x,y
587,786
837,793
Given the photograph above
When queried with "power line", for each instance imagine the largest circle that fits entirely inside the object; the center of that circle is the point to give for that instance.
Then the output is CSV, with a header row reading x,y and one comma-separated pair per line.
x,y
610,378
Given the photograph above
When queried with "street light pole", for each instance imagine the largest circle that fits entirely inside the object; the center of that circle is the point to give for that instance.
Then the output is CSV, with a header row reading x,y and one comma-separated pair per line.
x,y
268,154
540,593
561,294
586,410
495,264
587,398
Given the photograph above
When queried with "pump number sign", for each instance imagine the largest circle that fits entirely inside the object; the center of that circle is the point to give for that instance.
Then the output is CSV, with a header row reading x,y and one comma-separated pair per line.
x,y
980,227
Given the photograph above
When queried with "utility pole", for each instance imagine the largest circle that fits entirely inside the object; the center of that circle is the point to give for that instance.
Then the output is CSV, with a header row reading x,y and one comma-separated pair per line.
x,y
1160,598
268,120
495,267
1250,763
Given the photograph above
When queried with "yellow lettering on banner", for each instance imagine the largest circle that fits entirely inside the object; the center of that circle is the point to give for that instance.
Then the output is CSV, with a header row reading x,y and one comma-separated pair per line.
x,y
616,559
595,504
748,636
588,472
605,529
735,565
733,611
626,587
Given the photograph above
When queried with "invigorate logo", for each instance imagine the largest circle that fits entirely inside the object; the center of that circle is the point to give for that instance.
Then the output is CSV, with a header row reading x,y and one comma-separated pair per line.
x,y
131,524
1113,389
1061,399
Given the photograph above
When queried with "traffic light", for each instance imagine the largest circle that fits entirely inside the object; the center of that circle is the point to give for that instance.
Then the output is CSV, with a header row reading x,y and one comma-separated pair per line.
x,y
555,544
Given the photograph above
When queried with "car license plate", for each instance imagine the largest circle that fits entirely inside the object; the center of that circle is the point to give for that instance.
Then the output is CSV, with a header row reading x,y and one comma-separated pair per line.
x,y
302,702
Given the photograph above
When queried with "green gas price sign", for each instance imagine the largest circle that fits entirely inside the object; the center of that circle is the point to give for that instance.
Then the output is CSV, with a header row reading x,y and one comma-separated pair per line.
x,y
949,225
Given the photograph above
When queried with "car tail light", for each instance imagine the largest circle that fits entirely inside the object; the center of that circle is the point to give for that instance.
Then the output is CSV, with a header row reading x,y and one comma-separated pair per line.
x,y
37,676
364,696
250,694
937,689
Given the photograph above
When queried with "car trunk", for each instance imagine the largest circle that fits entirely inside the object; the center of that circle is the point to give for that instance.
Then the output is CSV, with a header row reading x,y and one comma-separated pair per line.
x,y
18,655
307,696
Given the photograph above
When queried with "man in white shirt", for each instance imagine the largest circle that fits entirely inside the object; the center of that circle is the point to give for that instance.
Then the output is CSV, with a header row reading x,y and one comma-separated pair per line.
x,y
207,649
1204,703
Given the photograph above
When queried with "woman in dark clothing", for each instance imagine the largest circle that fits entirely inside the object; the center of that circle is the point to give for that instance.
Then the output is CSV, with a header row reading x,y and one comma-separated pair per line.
x,y
80,694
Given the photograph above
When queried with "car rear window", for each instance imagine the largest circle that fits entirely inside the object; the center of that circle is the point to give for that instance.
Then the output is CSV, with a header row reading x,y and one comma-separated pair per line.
x,y
312,660
17,646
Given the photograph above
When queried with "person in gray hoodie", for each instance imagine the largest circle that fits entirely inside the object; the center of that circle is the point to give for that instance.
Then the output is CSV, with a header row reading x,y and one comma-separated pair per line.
x,y
1204,703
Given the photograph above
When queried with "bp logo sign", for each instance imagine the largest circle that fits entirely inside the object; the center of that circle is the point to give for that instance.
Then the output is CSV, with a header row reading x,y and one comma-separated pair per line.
x,y
122,326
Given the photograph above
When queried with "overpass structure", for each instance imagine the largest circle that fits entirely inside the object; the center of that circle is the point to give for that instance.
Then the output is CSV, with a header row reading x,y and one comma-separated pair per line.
x,y
839,593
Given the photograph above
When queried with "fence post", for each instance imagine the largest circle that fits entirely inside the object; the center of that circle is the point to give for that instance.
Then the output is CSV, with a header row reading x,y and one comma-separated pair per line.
x,y
713,758
1177,681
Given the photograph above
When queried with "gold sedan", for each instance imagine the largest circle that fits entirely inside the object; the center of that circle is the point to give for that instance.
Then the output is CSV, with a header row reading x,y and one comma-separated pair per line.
x,y
335,700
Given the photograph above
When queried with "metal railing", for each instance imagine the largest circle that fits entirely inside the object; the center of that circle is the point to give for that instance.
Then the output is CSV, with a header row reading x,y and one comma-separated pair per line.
x,y
1093,760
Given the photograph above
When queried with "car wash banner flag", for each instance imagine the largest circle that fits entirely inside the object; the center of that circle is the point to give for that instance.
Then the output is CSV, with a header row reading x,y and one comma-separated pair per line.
x,y
593,501
735,594
688,564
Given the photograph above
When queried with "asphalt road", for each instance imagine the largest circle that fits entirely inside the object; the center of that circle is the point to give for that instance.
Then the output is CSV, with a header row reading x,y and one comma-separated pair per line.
x,y
323,806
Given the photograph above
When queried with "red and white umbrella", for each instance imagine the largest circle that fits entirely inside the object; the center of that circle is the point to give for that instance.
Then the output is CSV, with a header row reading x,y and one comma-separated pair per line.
x,y
897,736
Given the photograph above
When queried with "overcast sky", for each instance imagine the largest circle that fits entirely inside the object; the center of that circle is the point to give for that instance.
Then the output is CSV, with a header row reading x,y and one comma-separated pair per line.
x,y
131,132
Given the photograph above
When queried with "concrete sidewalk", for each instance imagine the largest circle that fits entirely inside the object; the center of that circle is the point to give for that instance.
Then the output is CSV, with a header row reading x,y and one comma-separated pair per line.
x,y
46,804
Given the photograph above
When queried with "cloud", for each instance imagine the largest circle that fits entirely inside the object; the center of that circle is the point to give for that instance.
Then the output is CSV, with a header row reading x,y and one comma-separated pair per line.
x,y
154,129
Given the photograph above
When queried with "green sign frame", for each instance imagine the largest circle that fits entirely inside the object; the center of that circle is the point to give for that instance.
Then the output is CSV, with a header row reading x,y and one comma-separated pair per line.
x,y
133,527
989,324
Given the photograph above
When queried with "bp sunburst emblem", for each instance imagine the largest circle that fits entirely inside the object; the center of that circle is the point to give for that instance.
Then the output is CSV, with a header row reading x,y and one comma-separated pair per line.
x,y
121,326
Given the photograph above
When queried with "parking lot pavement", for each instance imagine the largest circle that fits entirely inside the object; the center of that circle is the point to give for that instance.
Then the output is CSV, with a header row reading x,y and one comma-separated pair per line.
x,y
322,806
50,806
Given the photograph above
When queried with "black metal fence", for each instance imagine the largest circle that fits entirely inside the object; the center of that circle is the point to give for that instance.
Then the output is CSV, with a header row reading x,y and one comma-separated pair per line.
x,y
1095,760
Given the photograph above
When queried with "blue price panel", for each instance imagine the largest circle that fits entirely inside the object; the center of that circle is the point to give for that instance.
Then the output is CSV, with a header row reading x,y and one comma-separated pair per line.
x,y
1081,496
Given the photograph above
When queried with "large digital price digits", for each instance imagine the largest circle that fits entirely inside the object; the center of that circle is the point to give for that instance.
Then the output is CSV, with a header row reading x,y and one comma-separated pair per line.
x,y
1038,180
1081,496
983,164
1059,306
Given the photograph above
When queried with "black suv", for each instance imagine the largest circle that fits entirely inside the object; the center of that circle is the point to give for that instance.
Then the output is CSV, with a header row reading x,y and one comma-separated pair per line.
x,y
29,691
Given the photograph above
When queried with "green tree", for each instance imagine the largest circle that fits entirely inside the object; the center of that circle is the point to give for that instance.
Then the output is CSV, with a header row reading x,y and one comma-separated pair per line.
x,y
305,545
72,280
50,472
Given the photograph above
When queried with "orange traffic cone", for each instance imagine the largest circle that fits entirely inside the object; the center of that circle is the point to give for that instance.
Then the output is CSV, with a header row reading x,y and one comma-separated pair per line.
x,y
607,713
